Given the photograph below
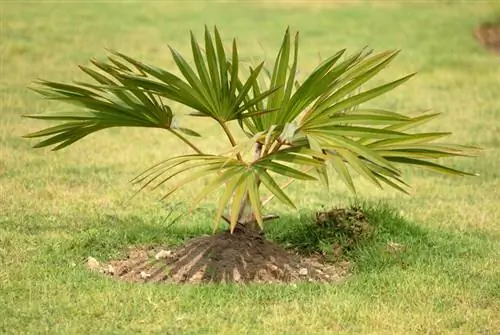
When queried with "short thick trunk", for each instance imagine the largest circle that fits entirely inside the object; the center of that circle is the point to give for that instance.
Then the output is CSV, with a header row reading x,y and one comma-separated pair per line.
x,y
250,225
250,228
246,221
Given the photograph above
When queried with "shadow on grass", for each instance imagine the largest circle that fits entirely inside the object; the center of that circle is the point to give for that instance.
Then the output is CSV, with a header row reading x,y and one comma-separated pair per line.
x,y
113,234
110,237
395,241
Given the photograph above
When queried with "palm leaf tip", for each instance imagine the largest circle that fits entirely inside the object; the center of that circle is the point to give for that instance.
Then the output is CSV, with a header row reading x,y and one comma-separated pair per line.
x,y
329,133
118,103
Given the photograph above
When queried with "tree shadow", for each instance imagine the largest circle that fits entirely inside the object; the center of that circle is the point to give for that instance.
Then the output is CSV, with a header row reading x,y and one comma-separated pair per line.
x,y
222,257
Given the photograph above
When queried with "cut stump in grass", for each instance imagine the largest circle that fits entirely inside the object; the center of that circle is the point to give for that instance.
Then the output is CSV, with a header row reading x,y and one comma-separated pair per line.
x,y
488,34
241,257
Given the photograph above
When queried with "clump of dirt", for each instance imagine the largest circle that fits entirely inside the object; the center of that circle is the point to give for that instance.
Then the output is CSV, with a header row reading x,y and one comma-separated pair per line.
x,y
349,223
488,34
240,257
341,230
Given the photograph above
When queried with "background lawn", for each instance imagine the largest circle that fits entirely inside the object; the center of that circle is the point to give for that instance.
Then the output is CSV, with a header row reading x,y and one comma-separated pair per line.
x,y
58,208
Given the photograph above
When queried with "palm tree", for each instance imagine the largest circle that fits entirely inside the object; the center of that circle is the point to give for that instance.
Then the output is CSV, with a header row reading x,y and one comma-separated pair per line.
x,y
300,130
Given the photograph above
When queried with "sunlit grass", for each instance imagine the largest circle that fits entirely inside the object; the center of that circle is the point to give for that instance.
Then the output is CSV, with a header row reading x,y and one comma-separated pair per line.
x,y
58,208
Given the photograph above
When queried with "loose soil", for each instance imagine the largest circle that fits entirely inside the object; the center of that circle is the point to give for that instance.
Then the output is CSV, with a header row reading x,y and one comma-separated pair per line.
x,y
488,35
240,257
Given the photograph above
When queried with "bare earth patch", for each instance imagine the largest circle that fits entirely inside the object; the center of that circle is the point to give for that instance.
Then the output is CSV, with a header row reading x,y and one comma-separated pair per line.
x,y
224,257
321,4
489,36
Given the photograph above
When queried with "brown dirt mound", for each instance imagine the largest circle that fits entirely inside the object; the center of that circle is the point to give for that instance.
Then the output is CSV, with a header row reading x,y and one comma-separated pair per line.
x,y
239,257
489,36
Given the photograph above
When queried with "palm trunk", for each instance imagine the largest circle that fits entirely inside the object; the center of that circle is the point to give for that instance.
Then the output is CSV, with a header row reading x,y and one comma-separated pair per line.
x,y
246,217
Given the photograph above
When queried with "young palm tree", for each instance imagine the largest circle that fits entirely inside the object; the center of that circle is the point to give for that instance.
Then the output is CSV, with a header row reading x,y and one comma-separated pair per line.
x,y
300,130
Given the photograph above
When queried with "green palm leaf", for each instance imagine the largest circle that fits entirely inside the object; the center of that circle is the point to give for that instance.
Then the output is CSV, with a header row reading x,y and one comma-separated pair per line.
x,y
104,108
300,129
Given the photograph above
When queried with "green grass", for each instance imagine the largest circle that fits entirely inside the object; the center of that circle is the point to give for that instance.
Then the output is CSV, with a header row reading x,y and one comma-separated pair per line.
x,y
58,208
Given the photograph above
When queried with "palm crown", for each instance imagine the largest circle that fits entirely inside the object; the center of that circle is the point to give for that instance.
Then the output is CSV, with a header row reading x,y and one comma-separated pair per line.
x,y
299,130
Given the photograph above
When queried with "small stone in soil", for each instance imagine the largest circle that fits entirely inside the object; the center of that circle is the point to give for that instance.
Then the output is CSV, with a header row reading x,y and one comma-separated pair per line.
x,y
236,275
145,275
110,270
92,263
162,254
303,272
288,268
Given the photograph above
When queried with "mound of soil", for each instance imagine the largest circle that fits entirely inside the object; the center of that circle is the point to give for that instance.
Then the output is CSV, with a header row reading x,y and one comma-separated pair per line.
x,y
489,36
240,257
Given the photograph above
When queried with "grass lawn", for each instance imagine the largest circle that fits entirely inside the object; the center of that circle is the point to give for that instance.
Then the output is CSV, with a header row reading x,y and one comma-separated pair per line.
x,y
56,209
